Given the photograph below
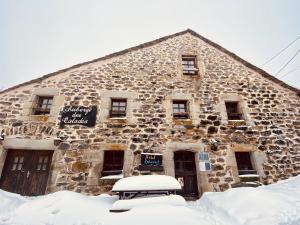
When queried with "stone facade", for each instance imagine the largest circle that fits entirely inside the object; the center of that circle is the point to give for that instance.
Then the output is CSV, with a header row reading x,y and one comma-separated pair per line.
x,y
150,76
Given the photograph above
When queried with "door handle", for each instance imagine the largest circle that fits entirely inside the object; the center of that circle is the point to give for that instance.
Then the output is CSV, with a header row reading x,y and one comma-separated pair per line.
x,y
28,174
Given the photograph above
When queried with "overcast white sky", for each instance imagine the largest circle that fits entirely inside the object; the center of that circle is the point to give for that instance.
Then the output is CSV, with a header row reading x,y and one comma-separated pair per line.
x,y
41,36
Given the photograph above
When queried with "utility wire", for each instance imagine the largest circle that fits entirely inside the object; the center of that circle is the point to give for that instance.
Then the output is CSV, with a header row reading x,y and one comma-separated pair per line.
x,y
291,71
288,62
280,52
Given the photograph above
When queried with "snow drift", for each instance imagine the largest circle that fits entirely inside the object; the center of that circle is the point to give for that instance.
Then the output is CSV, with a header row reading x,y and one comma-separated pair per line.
x,y
277,204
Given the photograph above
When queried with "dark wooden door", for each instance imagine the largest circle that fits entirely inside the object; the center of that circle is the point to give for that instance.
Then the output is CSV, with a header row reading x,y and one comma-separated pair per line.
x,y
26,172
185,172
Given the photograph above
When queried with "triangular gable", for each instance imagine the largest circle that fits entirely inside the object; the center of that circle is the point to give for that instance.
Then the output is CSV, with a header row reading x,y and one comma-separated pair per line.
x,y
151,43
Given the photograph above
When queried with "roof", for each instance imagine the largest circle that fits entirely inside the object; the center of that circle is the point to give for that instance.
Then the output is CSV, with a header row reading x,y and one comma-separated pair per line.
x,y
151,43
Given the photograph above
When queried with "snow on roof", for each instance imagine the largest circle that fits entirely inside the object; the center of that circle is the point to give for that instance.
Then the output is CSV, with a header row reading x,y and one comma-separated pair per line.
x,y
147,182
173,200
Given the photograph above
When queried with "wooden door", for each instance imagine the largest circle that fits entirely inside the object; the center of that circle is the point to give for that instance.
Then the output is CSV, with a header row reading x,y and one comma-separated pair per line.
x,y
185,172
26,172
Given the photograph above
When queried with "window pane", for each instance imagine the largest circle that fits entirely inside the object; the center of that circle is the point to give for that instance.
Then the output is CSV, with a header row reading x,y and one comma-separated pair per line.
x,y
19,167
122,103
14,166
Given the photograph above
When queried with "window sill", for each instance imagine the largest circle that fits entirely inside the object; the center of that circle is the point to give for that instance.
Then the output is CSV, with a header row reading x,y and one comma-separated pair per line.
x,y
118,120
236,122
178,121
42,118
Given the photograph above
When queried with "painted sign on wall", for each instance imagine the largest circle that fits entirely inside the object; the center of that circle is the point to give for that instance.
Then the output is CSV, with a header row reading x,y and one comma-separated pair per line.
x,y
78,115
150,159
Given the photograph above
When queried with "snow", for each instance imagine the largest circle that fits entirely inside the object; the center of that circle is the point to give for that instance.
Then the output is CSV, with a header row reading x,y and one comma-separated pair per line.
x,y
173,200
112,177
249,175
276,204
147,182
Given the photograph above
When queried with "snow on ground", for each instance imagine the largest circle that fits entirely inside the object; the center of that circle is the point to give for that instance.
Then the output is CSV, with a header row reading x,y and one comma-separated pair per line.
x,y
173,200
277,204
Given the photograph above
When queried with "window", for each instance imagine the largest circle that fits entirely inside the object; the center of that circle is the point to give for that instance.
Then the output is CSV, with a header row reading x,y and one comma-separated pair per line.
x,y
18,163
204,163
113,162
43,105
118,108
180,110
244,164
189,64
233,112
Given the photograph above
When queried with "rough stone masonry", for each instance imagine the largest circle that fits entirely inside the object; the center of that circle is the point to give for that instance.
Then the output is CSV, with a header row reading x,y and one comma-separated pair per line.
x,y
150,77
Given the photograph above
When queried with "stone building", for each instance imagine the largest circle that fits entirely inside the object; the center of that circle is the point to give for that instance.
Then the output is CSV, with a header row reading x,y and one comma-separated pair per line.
x,y
180,105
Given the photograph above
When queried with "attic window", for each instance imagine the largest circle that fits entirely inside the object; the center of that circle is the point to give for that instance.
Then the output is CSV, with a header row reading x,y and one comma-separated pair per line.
x,y
233,111
180,110
43,105
189,65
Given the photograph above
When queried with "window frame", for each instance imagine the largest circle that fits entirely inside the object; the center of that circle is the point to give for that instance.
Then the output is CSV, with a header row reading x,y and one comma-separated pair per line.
x,y
188,69
238,115
39,109
239,163
180,115
118,113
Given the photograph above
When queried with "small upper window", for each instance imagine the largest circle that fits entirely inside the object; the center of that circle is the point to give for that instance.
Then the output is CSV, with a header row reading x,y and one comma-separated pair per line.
x,y
118,108
180,110
189,64
233,111
43,105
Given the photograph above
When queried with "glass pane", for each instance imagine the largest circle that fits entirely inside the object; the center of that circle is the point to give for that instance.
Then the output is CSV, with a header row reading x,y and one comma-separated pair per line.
x,y
175,110
122,108
40,159
115,103
50,101
44,167
19,167
114,108
45,159
122,103
14,166
16,159
21,159
182,110
38,167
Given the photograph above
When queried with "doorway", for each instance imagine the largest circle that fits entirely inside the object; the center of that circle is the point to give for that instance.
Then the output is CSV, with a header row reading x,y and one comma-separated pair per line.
x,y
185,173
26,172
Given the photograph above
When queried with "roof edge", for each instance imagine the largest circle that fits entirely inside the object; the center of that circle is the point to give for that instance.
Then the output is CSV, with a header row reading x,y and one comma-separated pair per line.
x,y
156,41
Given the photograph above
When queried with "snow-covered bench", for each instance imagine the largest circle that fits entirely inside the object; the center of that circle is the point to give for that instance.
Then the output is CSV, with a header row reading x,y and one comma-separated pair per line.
x,y
137,186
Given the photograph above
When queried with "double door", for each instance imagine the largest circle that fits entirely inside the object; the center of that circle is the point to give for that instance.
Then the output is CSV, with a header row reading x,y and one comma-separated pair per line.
x,y
26,172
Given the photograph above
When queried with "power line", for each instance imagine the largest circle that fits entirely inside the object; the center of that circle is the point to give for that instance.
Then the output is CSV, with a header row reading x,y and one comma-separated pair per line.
x,y
280,52
291,71
288,62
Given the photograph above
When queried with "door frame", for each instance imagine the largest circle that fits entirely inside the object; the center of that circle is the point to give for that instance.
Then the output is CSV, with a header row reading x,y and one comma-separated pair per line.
x,y
15,143
169,164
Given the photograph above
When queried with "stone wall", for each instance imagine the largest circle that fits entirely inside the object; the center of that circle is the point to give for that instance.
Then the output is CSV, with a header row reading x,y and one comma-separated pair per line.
x,y
152,77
